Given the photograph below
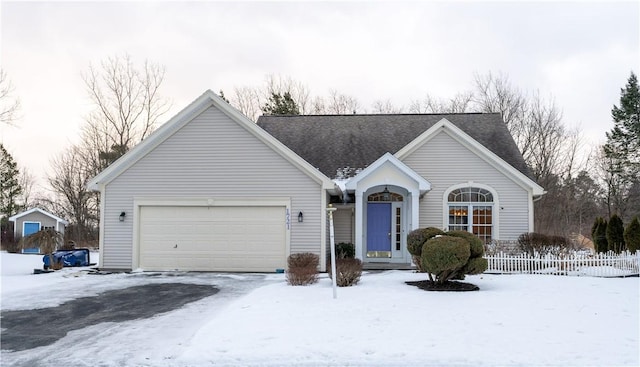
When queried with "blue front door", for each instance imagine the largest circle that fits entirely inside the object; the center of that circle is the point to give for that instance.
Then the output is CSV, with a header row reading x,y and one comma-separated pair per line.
x,y
379,230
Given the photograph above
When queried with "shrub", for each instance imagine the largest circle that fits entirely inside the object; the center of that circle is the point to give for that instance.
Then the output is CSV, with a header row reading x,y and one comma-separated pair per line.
x,y
345,250
303,268
477,247
12,247
348,270
416,240
445,256
47,239
615,234
599,234
632,235
533,243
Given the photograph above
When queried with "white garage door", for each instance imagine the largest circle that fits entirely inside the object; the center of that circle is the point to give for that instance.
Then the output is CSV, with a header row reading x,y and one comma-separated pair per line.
x,y
230,238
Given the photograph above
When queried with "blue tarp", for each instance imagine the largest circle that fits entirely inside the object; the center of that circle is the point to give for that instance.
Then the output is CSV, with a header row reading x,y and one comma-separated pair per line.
x,y
77,257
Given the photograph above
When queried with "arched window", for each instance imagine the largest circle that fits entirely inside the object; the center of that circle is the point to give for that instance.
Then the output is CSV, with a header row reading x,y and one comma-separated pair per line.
x,y
471,209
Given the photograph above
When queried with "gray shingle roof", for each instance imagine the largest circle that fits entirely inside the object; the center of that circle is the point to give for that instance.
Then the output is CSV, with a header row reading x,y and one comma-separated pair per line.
x,y
332,142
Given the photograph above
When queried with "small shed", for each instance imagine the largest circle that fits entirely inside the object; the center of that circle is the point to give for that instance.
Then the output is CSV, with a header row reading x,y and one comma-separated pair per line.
x,y
34,220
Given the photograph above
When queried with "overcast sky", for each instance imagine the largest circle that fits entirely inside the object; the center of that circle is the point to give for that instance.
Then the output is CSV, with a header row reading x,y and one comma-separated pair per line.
x,y
581,53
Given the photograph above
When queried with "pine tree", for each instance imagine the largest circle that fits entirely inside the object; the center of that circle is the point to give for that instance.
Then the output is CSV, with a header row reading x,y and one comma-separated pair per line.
x,y
615,234
599,235
624,138
10,188
622,149
281,105
632,235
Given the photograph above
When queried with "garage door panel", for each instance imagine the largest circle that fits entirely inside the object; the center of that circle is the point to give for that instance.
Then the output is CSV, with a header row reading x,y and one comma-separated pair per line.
x,y
234,238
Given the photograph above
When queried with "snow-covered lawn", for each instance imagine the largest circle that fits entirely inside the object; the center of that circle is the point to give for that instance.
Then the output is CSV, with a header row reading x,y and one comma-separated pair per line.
x,y
521,320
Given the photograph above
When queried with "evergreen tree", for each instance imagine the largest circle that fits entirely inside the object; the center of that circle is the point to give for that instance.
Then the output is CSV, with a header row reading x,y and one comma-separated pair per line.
x,y
624,138
632,235
622,149
10,188
615,234
279,104
600,235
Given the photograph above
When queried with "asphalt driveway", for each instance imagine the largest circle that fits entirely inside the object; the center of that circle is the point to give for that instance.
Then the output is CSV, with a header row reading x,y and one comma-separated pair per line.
x,y
27,329
160,293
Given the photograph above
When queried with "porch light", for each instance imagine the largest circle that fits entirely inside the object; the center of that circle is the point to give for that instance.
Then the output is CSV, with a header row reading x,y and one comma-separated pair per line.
x,y
300,217
122,215
386,195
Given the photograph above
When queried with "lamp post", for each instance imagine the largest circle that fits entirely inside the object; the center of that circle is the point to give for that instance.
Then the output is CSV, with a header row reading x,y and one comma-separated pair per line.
x,y
330,211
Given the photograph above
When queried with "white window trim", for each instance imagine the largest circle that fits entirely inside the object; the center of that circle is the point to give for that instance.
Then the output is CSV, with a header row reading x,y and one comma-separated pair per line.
x,y
495,232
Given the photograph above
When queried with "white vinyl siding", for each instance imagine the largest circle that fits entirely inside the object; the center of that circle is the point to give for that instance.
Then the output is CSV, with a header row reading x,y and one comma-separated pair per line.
x,y
343,225
445,162
210,157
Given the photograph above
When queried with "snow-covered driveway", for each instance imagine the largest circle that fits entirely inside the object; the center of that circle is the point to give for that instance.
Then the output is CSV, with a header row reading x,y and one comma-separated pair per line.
x,y
68,296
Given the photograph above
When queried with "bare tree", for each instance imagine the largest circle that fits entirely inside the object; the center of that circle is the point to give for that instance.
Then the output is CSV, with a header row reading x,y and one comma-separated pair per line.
x,y
128,104
385,106
496,94
9,105
460,103
27,182
341,104
73,200
299,92
247,101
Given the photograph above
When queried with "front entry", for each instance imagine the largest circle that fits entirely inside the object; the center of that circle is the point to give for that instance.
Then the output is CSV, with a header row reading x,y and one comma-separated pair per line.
x,y
378,230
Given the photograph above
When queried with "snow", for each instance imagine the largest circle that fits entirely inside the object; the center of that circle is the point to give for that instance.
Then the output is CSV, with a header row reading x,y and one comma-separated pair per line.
x,y
514,320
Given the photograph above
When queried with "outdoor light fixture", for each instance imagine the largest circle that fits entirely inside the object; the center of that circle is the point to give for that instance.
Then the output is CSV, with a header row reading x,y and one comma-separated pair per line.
x,y
300,217
122,215
386,195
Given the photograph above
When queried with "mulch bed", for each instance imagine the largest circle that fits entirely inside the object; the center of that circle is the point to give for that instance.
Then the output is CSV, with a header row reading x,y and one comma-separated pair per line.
x,y
451,286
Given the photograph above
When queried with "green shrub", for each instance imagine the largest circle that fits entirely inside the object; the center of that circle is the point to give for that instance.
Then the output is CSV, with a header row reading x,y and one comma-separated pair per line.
x,y
445,256
475,265
477,247
349,272
345,250
615,234
632,235
416,240
599,234
303,268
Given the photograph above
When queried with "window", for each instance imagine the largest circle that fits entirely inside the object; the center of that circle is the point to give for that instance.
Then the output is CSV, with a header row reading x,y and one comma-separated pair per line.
x,y
471,209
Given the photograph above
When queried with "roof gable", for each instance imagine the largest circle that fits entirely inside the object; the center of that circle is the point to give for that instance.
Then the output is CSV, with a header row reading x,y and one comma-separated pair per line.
x,y
478,149
206,100
342,145
34,210
423,185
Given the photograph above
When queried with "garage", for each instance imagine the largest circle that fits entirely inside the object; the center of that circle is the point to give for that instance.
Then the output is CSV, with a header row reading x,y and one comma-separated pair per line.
x,y
212,238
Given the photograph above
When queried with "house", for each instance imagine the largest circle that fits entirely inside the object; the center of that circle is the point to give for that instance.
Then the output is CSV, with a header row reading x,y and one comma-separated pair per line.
x,y
34,220
211,190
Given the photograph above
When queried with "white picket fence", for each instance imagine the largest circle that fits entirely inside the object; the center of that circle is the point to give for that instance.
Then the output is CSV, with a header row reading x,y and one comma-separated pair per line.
x,y
577,264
